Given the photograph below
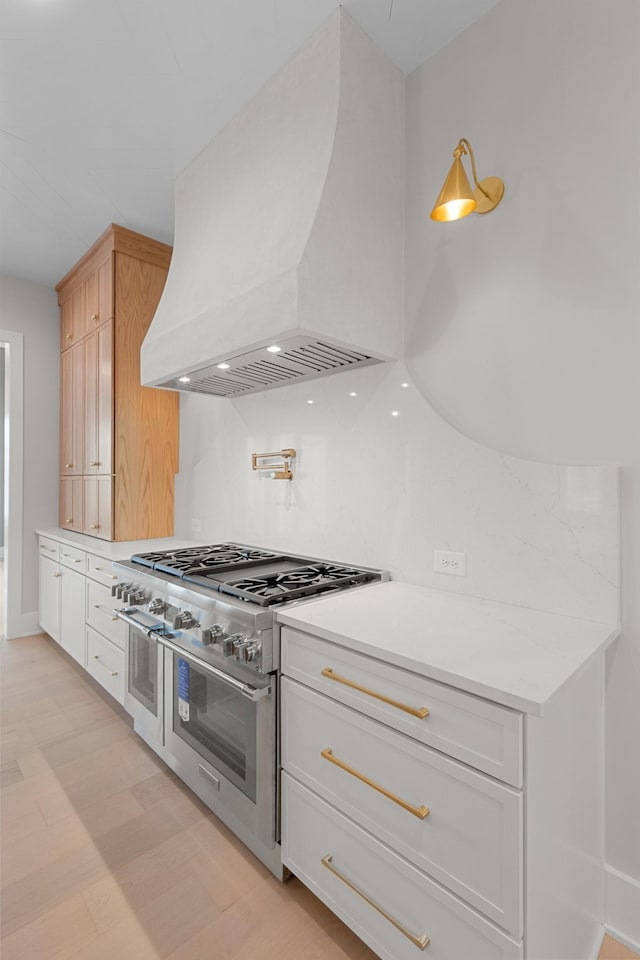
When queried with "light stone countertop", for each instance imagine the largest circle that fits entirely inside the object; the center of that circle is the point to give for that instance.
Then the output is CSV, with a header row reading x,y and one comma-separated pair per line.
x,y
110,550
512,655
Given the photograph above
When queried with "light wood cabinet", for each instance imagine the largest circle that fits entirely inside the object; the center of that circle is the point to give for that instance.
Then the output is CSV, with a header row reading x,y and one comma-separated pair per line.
x,y
72,411
120,438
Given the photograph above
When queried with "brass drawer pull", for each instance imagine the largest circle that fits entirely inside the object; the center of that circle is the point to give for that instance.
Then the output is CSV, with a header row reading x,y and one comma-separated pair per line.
x,y
97,606
96,657
420,812
114,576
421,942
68,466
420,712
95,463
57,574
94,526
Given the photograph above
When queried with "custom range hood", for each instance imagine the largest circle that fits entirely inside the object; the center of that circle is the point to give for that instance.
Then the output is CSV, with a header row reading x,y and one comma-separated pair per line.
x,y
289,230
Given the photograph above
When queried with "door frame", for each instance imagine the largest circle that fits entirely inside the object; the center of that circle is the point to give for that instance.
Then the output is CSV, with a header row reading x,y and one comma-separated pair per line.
x,y
13,625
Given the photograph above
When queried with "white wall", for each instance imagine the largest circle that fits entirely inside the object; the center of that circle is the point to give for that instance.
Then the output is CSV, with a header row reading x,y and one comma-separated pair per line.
x,y
522,326
31,309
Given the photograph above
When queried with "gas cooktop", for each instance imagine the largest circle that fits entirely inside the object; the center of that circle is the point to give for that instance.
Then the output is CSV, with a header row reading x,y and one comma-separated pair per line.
x,y
253,574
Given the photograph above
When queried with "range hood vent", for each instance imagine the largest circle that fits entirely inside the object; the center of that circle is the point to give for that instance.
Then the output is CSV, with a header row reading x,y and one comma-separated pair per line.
x,y
300,359
289,230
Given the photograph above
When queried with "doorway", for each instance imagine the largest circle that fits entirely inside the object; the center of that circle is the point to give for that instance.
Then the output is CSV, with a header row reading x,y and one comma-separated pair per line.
x,y
12,345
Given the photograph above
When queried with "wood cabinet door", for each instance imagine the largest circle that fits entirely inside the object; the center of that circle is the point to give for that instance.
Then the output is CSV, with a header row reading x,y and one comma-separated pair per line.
x,y
98,402
98,296
72,411
98,507
71,503
72,319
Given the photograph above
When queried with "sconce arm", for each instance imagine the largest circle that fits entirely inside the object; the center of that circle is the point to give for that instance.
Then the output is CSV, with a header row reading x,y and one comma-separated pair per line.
x,y
465,147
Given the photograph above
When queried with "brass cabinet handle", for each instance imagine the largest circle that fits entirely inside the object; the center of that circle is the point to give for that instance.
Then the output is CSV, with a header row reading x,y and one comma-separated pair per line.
x,y
96,657
419,812
58,574
95,463
68,466
70,520
94,316
97,606
420,712
421,942
69,336
114,576
94,526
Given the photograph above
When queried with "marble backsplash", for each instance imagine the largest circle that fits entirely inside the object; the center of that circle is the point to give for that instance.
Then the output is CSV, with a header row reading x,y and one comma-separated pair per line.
x,y
381,480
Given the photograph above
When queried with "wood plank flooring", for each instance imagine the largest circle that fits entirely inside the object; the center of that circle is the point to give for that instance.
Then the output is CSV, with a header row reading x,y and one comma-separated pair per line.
x,y
105,854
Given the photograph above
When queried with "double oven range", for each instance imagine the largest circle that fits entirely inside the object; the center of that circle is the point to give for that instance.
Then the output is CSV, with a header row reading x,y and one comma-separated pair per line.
x,y
202,669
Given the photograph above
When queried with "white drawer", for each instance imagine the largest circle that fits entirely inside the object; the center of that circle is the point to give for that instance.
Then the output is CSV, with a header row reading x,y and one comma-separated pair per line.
x,y
49,548
459,826
480,733
100,569
72,557
105,663
317,840
100,616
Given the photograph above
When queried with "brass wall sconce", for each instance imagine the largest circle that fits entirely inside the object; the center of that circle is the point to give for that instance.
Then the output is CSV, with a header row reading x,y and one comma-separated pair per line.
x,y
457,199
277,471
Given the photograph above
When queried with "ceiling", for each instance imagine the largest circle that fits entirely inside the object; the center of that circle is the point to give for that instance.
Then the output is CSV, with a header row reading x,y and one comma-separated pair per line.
x,y
103,102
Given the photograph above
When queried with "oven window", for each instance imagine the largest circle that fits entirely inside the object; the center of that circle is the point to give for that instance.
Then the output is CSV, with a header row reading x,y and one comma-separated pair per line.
x,y
218,722
143,670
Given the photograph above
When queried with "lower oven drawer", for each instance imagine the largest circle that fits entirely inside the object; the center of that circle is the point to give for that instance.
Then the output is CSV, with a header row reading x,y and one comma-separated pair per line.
x,y
386,901
105,663
459,826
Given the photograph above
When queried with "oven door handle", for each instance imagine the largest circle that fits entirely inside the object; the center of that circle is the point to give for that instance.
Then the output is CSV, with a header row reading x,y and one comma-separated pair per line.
x,y
252,693
123,613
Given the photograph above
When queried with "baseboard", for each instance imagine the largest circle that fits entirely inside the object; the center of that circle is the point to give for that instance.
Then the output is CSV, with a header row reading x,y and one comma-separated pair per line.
x,y
25,626
622,907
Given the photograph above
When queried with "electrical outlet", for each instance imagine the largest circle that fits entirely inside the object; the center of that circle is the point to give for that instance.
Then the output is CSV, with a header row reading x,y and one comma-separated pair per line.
x,y
196,526
455,564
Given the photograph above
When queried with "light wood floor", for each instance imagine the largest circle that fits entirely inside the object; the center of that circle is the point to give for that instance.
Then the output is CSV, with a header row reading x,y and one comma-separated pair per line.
x,y
107,856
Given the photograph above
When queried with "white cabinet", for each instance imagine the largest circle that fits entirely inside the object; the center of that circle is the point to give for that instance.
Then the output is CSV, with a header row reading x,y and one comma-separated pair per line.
x,y
49,595
420,812
72,637
76,610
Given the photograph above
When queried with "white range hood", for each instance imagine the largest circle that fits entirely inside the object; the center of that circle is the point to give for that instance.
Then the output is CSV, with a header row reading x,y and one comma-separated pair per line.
x,y
289,230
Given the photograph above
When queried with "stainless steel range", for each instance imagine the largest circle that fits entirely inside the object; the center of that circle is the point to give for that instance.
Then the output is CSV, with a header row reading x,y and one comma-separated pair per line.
x,y
201,669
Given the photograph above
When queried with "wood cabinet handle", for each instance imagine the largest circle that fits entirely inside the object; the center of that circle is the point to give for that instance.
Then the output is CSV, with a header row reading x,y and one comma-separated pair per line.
x,y
421,942
420,712
419,812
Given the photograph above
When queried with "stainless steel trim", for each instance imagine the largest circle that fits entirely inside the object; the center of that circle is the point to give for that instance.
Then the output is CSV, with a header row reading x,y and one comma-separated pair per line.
x,y
124,614
209,776
252,693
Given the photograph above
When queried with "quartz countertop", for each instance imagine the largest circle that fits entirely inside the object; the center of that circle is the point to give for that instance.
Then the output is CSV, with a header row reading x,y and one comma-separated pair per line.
x,y
512,655
121,550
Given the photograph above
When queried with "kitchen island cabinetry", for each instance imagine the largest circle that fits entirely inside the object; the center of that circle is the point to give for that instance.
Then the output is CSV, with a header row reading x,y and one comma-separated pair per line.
x,y
118,438
442,772
49,587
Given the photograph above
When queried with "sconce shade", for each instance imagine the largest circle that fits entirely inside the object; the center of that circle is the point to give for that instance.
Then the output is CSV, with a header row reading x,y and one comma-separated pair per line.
x,y
456,199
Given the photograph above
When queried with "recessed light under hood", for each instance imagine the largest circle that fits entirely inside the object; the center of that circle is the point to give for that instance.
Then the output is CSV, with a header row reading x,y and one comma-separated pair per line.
x,y
289,230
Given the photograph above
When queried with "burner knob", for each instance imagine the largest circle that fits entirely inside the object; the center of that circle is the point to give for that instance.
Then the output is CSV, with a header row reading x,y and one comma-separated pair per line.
x,y
183,619
211,634
156,605
136,597
227,646
120,590
249,650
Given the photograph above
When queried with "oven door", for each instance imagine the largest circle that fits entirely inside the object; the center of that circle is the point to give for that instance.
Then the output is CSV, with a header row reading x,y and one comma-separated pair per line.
x,y
144,680
221,736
